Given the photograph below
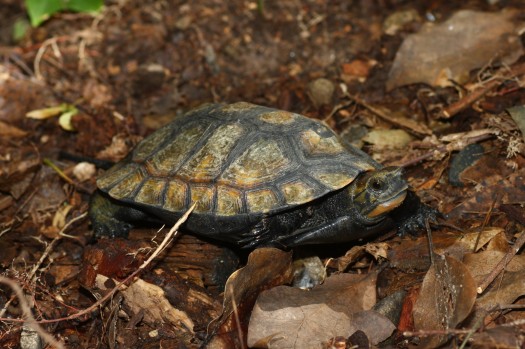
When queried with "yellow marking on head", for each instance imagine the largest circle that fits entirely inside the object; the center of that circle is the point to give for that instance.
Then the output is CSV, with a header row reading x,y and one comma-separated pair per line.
x,y
387,206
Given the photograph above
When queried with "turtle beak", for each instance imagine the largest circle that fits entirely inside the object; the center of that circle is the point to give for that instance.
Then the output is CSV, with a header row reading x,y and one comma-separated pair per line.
x,y
388,205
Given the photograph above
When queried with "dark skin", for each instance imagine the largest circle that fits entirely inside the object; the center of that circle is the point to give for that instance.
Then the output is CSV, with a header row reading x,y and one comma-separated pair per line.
x,y
374,203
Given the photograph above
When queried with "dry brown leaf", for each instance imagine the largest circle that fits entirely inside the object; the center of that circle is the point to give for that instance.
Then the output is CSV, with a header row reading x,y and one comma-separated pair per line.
x,y
482,263
266,268
501,337
287,317
508,189
8,131
504,290
412,254
450,50
150,299
447,296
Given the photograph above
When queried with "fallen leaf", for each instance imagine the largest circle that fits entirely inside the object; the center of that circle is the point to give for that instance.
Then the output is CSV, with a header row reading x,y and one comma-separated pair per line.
x,y
286,317
388,139
266,268
9,131
450,50
143,296
446,298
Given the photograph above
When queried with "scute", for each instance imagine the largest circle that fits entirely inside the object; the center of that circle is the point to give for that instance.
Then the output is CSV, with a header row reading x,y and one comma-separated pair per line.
x,y
145,148
152,192
264,160
315,144
263,200
334,180
297,192
127,186
278,117
207,162
170,157
203,197
229,201
115,175
175,196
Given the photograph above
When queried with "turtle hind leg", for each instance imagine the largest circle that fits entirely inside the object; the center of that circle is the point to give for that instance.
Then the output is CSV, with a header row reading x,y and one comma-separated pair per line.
x,y
110,218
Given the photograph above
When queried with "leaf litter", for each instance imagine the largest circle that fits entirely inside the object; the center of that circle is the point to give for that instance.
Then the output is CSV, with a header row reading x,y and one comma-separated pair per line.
x,y
139,65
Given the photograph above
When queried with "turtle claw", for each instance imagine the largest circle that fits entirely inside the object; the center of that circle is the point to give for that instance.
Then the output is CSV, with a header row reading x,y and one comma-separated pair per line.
x,y
415,223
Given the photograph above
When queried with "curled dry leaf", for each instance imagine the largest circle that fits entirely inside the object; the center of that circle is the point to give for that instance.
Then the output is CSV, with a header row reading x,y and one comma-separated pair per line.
x,y
143,296
447,296
286,317
266,268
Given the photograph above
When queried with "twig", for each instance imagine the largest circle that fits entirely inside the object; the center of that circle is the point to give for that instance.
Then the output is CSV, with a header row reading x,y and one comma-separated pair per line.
x,y
468,100
445,148
29,319
502,263
236,315
49,247
162,246
485,222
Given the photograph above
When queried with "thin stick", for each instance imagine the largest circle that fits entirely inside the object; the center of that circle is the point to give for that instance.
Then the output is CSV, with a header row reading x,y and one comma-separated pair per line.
x,y
158,250
502,263
61,234
29,319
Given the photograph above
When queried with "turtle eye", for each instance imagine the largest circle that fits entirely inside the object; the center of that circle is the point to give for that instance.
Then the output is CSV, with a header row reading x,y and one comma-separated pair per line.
x,y
376,184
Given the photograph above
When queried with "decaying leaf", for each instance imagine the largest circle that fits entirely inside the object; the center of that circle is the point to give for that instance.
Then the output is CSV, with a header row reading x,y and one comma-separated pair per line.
x,y
266,268
412,254
388,139
482,263
446,298
450,50
149,298
286,317
501,337
308,272
9,131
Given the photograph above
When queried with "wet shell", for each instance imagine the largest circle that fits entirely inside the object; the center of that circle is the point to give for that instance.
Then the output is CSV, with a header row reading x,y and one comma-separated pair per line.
x,y
235,159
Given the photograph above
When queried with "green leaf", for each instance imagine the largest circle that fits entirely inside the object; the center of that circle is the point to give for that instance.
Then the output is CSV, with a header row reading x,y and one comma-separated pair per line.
x,y
20,28
84,5
40,10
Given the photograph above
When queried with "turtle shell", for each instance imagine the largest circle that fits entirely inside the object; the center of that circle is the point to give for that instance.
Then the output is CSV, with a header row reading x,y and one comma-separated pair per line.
x,y
235,159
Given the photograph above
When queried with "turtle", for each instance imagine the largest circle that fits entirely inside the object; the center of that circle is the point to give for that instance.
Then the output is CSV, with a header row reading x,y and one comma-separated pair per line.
x,y
258,176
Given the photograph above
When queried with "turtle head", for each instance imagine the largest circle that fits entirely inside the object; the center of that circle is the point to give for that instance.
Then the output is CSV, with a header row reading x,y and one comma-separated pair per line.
x,y
377,193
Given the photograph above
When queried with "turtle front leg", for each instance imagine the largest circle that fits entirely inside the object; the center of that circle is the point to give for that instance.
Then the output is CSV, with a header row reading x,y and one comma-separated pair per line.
x,y
109,218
